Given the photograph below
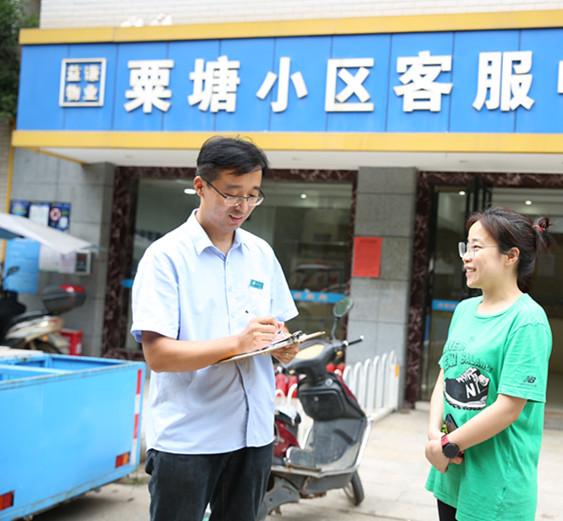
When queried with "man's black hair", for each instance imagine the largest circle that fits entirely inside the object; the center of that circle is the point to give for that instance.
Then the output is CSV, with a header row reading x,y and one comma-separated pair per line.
x,y
235,155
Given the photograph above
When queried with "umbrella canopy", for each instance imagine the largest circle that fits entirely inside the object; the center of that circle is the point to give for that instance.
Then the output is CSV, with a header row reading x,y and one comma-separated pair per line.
x,y
15,226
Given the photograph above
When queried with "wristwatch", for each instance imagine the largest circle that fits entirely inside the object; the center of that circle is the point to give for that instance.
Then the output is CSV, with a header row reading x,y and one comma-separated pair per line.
x,y
449,449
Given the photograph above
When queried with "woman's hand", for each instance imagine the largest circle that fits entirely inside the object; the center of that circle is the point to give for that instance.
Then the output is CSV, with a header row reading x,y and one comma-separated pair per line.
x,y
436,457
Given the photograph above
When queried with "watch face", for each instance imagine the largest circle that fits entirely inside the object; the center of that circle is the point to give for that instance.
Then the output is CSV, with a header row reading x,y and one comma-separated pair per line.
x,y
451,450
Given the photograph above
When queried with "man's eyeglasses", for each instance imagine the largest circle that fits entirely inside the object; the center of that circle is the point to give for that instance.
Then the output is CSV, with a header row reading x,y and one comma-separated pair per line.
x,y
465,249
236,200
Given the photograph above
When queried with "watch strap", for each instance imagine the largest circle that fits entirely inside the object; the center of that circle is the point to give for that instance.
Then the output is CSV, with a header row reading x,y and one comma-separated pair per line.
x,y
449,449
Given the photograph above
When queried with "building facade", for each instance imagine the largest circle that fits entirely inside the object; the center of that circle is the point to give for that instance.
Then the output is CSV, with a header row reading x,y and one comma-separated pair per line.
x,y
385,125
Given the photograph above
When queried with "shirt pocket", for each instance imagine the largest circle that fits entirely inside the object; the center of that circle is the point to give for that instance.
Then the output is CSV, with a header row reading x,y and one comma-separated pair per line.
x,y
258,293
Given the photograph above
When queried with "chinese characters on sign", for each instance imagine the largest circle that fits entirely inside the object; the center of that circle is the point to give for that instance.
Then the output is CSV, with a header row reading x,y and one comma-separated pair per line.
x,y
283,85
82,82
149,80
215,86
420,90
504,80
354,85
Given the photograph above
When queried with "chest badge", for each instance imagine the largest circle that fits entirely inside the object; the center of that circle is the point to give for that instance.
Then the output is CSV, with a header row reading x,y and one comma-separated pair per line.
x,y
256,284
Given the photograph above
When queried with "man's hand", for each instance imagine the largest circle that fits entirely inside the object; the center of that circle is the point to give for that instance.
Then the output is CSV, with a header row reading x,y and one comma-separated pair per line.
x,y
259,332
286,354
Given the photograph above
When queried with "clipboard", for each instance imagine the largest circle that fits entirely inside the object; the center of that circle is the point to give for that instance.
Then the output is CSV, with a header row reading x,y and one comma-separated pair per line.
x,y
295,338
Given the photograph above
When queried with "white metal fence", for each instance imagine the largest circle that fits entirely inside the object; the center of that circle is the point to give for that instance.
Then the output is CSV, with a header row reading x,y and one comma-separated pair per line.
x,y
374,382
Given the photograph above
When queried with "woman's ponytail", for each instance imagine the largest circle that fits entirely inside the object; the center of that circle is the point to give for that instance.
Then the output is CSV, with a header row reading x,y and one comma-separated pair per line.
x,y
543,237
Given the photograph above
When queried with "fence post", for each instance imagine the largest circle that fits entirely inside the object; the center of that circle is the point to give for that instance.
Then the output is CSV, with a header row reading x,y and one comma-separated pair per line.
x,y
375,383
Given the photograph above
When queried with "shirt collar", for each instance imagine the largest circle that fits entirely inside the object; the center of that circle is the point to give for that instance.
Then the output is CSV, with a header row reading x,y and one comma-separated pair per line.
x,y
201,240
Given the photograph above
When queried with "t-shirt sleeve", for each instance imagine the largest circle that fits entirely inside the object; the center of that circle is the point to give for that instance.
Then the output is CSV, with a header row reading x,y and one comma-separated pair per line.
x,y
155,297
524,371
282,305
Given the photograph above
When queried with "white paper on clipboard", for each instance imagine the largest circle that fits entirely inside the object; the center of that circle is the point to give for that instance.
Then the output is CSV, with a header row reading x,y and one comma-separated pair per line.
x,y
294,338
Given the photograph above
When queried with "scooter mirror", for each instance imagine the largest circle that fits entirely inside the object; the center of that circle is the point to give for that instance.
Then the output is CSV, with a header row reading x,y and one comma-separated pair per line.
x,y
342,307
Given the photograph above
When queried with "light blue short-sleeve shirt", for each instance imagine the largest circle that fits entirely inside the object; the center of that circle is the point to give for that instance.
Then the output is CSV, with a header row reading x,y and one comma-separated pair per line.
x,y
187,289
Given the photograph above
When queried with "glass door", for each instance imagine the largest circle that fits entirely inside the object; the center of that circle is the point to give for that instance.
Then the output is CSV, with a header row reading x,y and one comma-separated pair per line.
x,y
547,283
446,285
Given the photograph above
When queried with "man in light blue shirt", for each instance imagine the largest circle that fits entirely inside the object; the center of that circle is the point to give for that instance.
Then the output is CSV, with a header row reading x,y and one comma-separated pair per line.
x,y
204,292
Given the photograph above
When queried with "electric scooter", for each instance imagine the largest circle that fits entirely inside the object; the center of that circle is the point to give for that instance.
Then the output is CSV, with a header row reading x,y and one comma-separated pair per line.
x,y
39,329
334,445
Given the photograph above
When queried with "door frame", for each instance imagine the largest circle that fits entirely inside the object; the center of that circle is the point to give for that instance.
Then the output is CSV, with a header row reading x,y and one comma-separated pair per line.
x,y
426,183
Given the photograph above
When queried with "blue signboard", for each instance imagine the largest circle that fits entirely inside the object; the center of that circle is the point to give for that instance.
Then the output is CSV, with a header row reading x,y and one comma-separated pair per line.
x,y
318,297
444,305
508,81
23,254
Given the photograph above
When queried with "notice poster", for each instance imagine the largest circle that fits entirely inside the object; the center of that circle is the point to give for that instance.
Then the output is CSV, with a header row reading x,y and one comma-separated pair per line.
x,y
39,213
367,257
59,216
19,207
53,214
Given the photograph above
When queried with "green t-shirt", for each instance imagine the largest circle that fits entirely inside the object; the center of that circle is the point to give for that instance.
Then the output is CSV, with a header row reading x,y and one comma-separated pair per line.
x,y
484,356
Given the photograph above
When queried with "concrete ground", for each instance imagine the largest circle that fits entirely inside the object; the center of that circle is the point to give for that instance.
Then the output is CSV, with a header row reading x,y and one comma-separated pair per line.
x,y
393,473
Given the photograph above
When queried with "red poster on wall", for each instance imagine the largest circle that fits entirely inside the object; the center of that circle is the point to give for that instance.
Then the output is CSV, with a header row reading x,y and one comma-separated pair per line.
x,y
367,257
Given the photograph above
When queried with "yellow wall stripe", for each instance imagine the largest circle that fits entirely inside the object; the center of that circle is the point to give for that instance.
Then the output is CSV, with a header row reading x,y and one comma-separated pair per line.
x,y
56,155
10,177
300,141
365,25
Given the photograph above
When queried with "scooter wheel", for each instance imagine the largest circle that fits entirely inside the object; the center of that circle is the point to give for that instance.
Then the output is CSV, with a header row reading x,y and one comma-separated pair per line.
x,y
355,490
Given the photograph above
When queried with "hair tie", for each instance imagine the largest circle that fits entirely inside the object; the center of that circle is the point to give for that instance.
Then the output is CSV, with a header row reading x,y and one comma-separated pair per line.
x,y
539,228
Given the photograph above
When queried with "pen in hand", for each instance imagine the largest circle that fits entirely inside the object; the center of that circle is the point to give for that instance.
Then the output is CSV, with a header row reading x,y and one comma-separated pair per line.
x,y
280,325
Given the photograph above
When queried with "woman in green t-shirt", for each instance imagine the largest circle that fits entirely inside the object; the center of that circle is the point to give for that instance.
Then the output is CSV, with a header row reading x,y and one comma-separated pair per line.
x,y
490,394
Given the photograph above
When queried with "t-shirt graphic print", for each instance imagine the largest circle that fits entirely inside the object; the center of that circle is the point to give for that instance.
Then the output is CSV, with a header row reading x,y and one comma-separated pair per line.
x,y
467,391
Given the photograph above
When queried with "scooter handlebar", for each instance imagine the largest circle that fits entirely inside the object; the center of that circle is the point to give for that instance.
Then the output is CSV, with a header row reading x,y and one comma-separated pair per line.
x,y
352,342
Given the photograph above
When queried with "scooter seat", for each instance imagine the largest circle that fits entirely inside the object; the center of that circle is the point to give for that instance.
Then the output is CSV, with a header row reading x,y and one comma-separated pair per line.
x,y
31,315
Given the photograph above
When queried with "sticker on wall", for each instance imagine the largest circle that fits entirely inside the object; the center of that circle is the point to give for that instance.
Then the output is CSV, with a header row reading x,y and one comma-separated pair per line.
x,y
19,207
367,257
53,214
59,216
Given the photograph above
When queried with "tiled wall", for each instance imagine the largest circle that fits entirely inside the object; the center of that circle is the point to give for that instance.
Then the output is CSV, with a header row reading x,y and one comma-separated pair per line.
x,y
385,208
89,189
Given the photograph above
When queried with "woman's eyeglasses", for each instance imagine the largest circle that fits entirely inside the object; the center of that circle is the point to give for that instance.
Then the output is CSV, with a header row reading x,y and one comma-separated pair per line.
x,y
470,250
